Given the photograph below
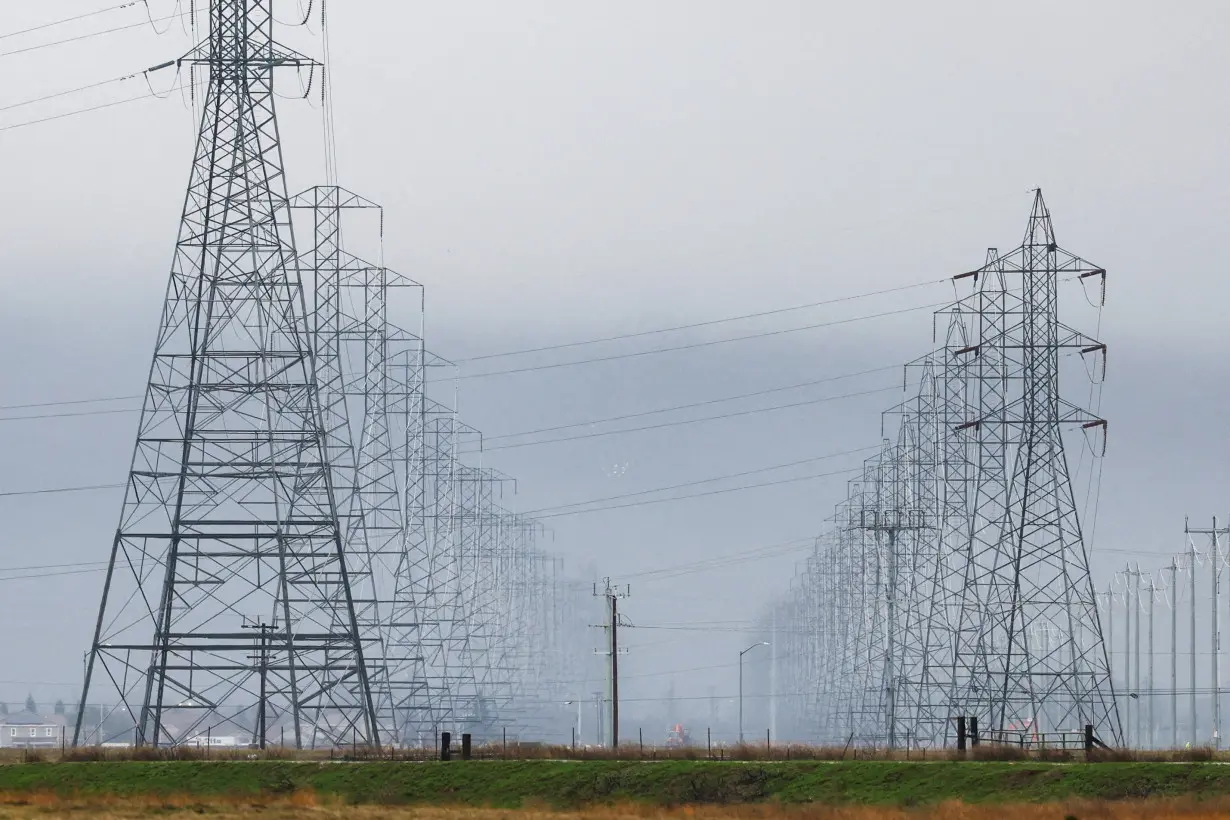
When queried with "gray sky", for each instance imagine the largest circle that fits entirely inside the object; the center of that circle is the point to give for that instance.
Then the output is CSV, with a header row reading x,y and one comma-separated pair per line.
x,y
564,170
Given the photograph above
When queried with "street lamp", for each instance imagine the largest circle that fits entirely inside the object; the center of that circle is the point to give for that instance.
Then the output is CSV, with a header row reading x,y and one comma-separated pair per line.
x,y
741,654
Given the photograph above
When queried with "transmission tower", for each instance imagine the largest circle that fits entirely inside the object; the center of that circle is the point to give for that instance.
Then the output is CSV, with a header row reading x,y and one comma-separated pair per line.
x,y
230,514
915,523
1028,568
887,521
955,580
372,379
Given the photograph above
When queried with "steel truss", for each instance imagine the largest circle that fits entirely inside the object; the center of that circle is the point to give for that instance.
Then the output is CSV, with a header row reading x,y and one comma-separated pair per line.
x,y
955,579
434,558
230,519
308,541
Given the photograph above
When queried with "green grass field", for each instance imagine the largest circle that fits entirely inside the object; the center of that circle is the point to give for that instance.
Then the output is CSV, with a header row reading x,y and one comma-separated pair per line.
x,y
511,784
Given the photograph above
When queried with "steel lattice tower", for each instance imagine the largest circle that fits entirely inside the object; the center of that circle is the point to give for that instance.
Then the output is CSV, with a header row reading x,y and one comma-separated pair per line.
x,y
1033,577
230,518
955,579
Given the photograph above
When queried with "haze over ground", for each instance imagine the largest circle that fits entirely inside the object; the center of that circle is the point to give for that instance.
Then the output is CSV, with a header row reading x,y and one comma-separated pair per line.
x,y
563,171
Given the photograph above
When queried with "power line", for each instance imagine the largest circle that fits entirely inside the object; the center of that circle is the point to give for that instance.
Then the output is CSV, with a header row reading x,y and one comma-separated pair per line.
x,y
681,422
710,343
596,341
692,405
601,359
709,323
657,674
653,351
647,502
615,338
571,425
72,415
58,94
80,37
62,490
112,104
69,401
718,562
69,20
1134,552
734,621
90,487
40,683
748,696
75,565
706,480
557,440
728,629
53,574
569,438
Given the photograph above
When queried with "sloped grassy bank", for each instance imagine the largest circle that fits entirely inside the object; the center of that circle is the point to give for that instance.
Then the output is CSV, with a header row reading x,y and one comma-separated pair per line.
x,y
510,784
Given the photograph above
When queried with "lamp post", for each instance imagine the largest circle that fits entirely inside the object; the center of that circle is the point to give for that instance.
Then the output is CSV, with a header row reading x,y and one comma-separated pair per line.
x,y
741,654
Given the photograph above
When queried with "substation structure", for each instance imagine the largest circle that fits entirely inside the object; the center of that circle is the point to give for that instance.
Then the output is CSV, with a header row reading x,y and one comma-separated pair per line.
x,y
954,578
310,551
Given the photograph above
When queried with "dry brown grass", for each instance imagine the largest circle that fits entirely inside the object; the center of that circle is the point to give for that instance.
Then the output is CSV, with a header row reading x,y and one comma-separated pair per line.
x,y
91,754
307,804
632,751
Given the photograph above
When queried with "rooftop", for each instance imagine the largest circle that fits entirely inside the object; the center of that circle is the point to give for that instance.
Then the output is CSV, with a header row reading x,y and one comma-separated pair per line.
x,y
24,718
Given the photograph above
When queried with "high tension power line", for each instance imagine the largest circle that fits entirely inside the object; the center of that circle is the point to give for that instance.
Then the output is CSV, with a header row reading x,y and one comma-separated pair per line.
x,y
303,542
310,539
955,580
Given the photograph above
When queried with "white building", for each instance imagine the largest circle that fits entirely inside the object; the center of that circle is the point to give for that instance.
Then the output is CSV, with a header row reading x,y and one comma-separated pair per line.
x,y
212,741
26,730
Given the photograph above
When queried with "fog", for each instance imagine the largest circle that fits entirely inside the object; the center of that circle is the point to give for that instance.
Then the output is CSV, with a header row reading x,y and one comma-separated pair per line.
x,y
554,172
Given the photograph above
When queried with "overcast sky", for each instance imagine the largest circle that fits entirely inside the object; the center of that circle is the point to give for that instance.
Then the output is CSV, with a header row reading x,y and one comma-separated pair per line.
x,y
554,171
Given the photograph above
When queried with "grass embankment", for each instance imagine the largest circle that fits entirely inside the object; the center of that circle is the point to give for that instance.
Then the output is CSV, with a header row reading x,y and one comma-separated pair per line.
x,y
565,785
44,806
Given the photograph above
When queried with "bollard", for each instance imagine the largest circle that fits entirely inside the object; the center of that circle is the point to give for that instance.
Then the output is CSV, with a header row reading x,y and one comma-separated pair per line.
x,y
973,730
445,752
1088,739
961,735
465,746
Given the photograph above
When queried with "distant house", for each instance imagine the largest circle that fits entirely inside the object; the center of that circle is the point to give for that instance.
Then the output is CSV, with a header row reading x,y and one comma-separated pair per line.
x,y
26,730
